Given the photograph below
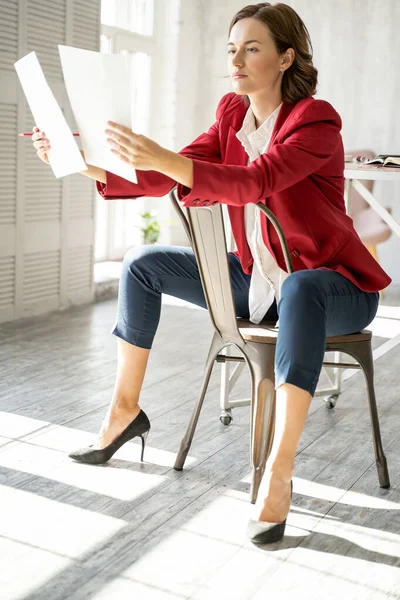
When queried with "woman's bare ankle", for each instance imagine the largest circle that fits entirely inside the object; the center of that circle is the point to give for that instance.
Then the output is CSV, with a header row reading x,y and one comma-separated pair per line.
x,y
122,406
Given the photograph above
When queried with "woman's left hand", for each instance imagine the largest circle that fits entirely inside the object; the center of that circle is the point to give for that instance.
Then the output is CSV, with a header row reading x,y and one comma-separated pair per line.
x,y
137,150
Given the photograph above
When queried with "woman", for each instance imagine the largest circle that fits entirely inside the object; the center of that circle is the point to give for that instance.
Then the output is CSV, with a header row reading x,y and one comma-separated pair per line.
x,y
272,142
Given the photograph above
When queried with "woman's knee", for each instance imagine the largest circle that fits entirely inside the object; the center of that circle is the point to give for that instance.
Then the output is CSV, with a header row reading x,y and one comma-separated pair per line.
x,y
141,258
301,287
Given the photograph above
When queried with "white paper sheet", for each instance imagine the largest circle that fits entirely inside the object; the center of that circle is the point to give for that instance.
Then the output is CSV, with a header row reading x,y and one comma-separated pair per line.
x,y
64,155
99,90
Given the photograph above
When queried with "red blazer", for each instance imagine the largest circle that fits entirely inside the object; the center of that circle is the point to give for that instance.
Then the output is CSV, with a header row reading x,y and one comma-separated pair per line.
x,y
300,179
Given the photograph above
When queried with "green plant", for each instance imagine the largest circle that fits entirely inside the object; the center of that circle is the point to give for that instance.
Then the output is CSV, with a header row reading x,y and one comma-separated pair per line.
x,y
150,227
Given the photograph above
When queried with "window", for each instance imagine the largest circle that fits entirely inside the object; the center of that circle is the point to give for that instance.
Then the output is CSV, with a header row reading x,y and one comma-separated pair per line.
x,y
126,28
136,16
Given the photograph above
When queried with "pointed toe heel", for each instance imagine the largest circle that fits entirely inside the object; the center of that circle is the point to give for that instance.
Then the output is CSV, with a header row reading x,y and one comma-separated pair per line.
x,y
260,532
265,533
140,427
91,455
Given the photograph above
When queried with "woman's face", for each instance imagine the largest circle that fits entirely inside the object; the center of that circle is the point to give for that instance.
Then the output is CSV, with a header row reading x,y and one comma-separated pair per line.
x,y
253,60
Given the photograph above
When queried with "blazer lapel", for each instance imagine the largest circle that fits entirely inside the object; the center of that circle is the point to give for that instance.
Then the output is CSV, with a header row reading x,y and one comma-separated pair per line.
x,y
235,154
284,113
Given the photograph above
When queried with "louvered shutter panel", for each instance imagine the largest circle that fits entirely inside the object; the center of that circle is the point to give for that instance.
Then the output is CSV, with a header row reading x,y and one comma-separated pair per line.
x,y
47,225
41,232
42,278
80,269
8,208
81,202
46,25
9,13
7,288
86,24
81,192
8,34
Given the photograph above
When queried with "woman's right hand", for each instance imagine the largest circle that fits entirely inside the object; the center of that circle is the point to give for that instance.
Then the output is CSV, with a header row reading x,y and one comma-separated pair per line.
x,y
42,146
41,143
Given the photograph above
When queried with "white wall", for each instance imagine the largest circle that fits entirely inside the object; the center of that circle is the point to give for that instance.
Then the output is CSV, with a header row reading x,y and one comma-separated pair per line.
x,y
357,51
175,116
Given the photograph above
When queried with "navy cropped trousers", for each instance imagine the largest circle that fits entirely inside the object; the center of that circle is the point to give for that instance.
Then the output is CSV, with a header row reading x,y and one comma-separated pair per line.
x,y
314,304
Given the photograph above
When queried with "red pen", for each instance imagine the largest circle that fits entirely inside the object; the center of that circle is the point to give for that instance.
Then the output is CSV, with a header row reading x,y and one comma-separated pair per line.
x,y
31,134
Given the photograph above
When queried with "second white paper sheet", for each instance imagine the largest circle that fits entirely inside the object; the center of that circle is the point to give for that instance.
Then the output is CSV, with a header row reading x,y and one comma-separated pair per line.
x,y
64,155
99,90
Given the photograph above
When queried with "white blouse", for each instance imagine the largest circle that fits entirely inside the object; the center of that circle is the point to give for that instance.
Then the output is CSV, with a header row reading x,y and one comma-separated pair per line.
x,y
266,278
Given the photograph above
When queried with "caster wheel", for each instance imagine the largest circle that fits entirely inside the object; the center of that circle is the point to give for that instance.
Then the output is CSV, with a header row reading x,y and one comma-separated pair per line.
x,y
330,401
226,417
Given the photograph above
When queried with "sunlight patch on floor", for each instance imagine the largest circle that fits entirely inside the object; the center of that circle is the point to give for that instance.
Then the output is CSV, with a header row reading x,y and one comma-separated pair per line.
x,y
374,540
37,566
389,312
385,328
316,574
335,494
180,562
15,426
121,588
111,480
224,519
66,530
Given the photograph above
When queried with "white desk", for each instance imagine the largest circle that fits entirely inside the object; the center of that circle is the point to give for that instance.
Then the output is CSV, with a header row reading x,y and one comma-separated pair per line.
x,y
354,172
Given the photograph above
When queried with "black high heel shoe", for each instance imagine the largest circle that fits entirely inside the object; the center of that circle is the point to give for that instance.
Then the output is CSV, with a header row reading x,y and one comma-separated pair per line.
x,y
140,427
260,532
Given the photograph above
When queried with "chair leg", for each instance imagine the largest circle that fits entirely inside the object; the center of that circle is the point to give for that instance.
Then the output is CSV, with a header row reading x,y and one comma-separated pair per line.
x,y
363,353
261,358
226,411
186,442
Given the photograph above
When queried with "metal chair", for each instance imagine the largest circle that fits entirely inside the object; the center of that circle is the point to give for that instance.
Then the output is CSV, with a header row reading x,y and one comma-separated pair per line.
x,y
255,344
330,389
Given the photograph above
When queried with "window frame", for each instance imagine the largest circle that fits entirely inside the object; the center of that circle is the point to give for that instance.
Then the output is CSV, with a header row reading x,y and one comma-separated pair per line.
x,y
122,39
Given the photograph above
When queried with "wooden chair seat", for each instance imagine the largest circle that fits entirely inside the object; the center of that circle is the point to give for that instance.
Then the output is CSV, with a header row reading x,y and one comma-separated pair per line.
x,y
267,333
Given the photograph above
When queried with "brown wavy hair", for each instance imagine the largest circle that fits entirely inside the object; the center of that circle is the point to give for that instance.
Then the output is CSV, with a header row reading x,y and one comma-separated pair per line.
x,y
287,31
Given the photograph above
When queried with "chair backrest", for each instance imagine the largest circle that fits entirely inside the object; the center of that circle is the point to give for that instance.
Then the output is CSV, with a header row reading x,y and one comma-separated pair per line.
x,y
205,229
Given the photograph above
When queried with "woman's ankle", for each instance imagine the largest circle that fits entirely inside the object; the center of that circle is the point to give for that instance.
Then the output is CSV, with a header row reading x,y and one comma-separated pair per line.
x,y
123,406
281,469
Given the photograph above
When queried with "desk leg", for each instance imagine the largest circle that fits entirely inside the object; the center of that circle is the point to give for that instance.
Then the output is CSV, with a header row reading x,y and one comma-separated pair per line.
x,y
387,217
347,190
